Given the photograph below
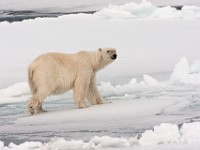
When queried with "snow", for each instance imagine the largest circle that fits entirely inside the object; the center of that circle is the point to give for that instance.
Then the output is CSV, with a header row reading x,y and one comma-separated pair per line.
x,y
181,70
15,90
146,110
1,145
167,13
107,142
195,67
150,80
20,91
161,40
165,133
188,132
127,11
170,133
184,73
147,10
119,90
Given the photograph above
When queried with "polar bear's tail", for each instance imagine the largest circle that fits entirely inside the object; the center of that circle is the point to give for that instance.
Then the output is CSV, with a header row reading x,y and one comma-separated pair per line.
x,y
31,80
30,73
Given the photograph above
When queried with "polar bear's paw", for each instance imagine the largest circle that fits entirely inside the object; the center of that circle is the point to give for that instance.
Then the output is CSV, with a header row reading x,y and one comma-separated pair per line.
x,y
82,105
103,102
32,108
35,107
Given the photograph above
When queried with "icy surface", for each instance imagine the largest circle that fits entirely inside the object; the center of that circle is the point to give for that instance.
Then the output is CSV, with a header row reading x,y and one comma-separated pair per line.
x,y
162,134
147,110
136,107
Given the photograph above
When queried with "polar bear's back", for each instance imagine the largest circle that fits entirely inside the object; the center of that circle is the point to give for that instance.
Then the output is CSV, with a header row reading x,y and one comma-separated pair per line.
x,y
52,72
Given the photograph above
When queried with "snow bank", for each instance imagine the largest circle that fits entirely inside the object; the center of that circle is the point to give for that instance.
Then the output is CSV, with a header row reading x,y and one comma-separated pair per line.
x,y
165,133
148,10
107,89
60,143
184,73
181,71
16,90
106,142
189,132
127,11
20,91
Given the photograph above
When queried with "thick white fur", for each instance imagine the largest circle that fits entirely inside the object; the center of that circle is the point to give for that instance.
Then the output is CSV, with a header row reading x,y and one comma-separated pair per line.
x,y
56,73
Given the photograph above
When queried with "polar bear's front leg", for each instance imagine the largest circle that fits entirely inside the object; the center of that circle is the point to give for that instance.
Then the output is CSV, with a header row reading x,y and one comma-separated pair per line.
x,y
93,94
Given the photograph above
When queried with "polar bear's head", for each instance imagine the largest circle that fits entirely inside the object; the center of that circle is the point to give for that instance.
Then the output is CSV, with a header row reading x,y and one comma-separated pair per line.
x,y
102,58
108,54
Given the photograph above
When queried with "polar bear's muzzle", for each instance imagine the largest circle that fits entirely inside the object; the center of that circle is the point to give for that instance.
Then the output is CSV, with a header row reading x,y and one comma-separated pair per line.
x,y
114,56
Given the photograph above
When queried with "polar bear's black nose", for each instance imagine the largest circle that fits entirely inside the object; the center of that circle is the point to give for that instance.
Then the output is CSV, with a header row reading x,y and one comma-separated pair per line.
x,y
114,56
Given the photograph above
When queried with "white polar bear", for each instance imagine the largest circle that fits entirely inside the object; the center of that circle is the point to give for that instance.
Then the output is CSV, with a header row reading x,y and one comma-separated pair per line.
x,y
56,73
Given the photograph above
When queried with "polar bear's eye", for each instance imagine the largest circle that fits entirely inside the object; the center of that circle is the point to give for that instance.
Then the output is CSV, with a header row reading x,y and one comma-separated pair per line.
x,y
108,51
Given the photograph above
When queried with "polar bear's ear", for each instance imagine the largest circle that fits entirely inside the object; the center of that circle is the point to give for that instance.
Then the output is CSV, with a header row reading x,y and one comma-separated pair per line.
x,y
100,49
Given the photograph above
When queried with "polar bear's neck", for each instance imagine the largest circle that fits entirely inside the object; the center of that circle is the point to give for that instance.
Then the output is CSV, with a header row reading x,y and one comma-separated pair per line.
x,y
97,61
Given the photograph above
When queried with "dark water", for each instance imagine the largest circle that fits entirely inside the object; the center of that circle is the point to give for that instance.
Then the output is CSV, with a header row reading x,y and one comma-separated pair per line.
x,y
14,16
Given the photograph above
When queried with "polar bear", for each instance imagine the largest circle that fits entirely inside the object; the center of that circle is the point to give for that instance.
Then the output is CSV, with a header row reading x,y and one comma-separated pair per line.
x,y
56,73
